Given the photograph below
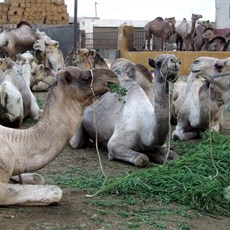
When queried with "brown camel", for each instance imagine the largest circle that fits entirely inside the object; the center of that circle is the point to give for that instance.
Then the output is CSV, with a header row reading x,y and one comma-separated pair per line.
x,y
160,28
28,150
184,32
18,40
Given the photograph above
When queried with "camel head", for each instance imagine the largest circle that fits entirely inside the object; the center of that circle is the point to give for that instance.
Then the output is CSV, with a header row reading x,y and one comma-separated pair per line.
x,y
196,17
168,65
87,59
205,23
215,71
208,33
84,86
172,20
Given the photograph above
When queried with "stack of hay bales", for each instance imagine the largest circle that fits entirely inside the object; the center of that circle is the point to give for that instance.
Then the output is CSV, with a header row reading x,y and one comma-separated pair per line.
x,y
49,12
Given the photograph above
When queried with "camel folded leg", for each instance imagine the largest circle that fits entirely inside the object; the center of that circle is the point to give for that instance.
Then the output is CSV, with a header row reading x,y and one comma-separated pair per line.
x,y
124,154
161,154
29,178
36,195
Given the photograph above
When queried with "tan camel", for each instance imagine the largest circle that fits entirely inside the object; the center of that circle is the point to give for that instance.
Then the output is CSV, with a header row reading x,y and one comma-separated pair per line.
x,y
206,91
89,59
52,51
184,32
18,40
42,78
160,28
28,150
135,131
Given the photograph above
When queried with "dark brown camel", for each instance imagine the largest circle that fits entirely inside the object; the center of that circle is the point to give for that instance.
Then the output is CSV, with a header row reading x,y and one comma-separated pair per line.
x,y
160,28
215,44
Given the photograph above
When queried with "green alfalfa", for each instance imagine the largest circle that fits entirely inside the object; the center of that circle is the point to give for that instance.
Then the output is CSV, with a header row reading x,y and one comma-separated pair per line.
x,y
197,179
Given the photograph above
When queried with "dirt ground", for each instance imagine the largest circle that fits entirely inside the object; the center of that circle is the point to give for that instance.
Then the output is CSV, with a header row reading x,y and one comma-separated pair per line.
x,y
76,211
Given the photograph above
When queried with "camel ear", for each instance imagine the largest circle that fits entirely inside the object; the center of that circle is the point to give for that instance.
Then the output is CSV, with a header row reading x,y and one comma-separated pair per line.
x,y
67,77
152,62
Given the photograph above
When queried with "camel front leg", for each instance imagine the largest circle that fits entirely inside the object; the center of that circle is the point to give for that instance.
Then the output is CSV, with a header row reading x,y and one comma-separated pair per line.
x,y
122,153
30,195
28,178
162,154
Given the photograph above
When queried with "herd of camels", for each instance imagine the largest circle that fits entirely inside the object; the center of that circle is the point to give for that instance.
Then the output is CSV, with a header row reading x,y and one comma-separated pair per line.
x,y
133,131
189,36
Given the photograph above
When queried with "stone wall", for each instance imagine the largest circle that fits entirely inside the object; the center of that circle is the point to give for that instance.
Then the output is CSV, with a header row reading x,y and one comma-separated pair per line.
x,y
49,12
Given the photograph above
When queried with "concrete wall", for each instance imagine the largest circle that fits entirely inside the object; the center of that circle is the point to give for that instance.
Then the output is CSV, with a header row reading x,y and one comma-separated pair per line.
x,y
125,40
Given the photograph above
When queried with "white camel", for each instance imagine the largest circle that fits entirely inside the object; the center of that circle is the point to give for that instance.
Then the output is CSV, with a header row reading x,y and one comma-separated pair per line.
x,y
205,93
28,150
184,32
134,131
10,72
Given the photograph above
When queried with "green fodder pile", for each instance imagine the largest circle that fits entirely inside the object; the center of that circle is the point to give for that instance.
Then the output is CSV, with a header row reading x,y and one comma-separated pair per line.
x,y
197,179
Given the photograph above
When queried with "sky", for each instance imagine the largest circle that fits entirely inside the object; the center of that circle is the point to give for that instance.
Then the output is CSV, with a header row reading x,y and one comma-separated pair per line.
x,y
145,10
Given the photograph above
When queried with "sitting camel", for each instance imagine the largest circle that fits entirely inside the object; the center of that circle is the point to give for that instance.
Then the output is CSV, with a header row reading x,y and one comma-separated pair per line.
x,y
42,78
52,51
215,44
18,40
134,131
205,93
28,150
89,59
11,75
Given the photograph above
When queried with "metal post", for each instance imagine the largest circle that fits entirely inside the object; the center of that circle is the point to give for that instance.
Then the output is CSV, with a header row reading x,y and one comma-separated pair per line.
x,y
75,33
95,9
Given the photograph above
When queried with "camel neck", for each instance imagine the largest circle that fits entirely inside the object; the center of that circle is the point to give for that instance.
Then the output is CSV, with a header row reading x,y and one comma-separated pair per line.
x,y
42,143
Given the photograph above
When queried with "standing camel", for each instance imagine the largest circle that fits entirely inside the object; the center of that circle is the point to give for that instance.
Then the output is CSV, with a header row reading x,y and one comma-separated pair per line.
x,y
160,28
25,151
184,32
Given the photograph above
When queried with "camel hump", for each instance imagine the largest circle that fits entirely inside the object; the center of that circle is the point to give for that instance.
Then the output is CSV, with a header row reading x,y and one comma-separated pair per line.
x,y
159,19
23,23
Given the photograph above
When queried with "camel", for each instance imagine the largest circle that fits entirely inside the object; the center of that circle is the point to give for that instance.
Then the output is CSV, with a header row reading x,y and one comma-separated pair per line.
x,y
160,28
52,51
204,95
89,59
18,40
215,44
10,72
184,32
199,40
42,78
134,131
24,151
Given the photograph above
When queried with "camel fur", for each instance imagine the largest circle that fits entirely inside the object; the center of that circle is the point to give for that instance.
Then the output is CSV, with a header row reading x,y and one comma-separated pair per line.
x,y
134,131
24,151
205,93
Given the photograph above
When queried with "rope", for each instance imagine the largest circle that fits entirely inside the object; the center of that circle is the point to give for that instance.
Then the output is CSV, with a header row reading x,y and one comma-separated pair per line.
x,y
96,141
169,108
210,133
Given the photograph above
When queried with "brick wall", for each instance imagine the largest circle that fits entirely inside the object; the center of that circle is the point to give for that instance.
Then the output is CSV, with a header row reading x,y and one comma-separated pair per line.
x,y
49,12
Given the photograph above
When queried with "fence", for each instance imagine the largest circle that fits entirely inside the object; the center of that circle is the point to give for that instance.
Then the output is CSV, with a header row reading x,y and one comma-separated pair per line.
x,y
108,41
